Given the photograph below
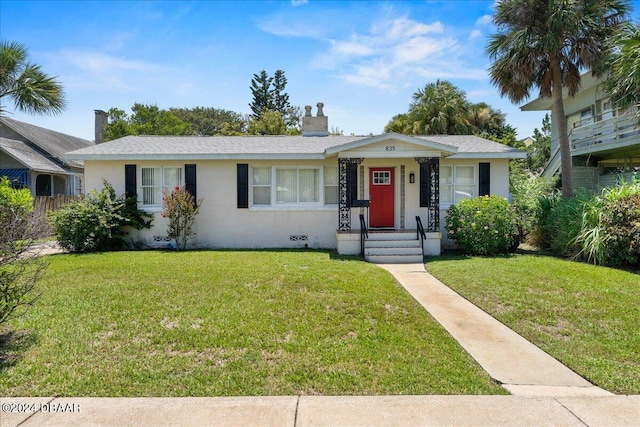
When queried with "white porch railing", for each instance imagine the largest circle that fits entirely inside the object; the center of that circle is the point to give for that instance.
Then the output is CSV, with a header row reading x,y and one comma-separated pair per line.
x,y
602,134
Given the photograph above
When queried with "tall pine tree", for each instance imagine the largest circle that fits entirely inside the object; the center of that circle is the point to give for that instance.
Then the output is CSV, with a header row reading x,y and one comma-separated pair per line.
x,y
262,94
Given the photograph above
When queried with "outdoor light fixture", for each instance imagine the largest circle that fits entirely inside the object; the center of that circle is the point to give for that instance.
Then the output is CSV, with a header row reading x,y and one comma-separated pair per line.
x,y
412,178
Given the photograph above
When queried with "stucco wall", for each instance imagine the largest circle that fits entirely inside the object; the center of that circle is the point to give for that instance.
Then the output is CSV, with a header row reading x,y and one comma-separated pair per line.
x,y
221,224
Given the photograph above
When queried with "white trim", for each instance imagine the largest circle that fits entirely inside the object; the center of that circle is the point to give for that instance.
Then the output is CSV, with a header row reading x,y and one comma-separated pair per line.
x,y
421,142
389,154
274,205
512,155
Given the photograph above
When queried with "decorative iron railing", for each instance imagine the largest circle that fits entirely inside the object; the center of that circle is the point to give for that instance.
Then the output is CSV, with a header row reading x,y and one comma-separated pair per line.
x,y
364,234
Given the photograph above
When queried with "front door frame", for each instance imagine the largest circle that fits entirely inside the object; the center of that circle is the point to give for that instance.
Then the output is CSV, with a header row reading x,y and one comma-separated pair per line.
x,y
382,216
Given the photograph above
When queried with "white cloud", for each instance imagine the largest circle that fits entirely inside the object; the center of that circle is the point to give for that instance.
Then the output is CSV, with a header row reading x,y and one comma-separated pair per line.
x,y
484,20
298,2
475,34
396,53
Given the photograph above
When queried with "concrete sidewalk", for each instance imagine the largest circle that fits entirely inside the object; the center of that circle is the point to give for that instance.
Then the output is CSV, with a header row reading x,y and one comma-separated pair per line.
x,y
522,368
301,411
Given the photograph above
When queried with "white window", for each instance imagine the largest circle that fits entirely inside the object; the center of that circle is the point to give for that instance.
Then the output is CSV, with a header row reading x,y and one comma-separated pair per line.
x,y
280,186
331,185
156,180
457,183
381,178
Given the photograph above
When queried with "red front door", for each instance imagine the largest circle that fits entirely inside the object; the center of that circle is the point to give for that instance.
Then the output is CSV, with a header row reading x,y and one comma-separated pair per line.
x,y
381,195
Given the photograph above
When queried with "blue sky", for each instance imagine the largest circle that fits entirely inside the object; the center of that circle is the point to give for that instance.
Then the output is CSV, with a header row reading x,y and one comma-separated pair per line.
x,y
363,59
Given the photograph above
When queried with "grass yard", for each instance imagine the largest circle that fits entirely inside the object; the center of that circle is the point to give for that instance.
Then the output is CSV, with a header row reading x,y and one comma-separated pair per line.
x,y
227,323
587,317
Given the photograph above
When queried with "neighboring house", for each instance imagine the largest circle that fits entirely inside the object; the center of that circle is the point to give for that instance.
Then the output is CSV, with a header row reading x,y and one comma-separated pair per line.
x,y
605,142
303,191
33,157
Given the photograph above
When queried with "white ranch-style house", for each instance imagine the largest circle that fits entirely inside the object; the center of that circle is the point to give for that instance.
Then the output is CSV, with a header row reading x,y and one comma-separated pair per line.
x,y
312,190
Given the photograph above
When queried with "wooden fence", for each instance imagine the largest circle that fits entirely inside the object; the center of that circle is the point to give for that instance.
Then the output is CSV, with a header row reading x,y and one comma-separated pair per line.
x,y
44,204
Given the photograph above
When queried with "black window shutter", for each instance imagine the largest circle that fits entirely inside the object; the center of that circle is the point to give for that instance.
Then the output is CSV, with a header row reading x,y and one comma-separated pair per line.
x,y
353,183
130,185
243,185
484,187
425,186
190,181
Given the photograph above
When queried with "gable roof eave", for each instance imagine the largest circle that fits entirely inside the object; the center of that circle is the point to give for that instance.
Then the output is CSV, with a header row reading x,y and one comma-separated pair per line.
x,y
389,136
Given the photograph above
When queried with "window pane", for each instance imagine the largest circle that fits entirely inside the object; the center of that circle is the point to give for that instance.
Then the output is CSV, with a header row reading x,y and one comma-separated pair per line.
x,y
331,195
446,187
309,185
286,186
330,175
151,194
262,195
261,186
464,175
261,176
172,177
150,176
464,183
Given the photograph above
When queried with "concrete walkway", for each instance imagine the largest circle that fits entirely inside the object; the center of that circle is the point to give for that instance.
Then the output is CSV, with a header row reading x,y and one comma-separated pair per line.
x,y
522,368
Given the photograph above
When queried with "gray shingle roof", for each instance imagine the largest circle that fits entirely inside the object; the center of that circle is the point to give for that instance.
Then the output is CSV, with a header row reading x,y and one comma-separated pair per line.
x,y
472,144
267,147
49,141
28,156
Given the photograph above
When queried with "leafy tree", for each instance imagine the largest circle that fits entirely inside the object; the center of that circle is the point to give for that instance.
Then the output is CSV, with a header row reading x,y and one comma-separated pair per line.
x,y
546,44
268,123
624,78
539,152
31,90
209,121
144,120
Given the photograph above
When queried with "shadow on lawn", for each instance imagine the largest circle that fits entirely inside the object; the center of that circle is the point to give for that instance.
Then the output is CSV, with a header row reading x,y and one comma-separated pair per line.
x,y
13,346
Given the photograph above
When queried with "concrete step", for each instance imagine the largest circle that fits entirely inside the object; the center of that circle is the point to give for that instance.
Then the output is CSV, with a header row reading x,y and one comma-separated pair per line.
x,y
392,244
392,235
393,250
393,247
394,259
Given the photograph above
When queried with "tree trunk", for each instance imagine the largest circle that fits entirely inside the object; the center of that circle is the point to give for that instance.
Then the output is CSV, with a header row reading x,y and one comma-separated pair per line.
x,y
561,122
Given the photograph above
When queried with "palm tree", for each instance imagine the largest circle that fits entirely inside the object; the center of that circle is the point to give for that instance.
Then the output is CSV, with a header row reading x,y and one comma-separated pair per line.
x,y
440,108
30,89
547,44
624,80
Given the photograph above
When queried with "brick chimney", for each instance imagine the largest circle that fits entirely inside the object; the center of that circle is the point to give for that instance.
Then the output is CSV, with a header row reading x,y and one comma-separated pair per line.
x,y
315,126
101,121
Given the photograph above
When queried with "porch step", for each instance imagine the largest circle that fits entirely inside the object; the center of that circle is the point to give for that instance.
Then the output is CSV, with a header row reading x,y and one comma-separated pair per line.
x,y
393,248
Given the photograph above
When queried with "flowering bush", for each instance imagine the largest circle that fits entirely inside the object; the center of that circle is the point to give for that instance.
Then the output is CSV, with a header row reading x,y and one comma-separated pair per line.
x,y
181,209
483,226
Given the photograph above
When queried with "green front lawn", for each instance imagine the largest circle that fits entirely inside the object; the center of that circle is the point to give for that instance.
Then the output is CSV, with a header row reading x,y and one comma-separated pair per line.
x,y
225,323
587,317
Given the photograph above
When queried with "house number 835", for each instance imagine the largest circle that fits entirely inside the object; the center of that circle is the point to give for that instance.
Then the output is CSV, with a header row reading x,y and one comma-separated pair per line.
x,y
390,148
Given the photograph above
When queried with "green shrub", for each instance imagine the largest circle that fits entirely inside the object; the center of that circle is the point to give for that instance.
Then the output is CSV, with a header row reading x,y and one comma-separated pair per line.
x,y
600,229
483,225
526,190
621,223
560,221
97,222
19,270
